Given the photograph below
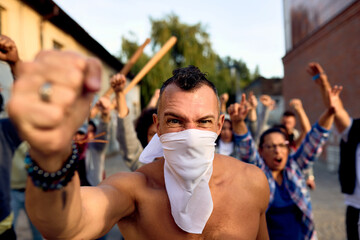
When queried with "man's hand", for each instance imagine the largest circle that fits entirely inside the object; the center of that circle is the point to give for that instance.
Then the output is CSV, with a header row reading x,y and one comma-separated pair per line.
x,y
9,53
238,113
104,105
296,104
8,50
267,101
118,82
252,101
49,126
224,98
334,98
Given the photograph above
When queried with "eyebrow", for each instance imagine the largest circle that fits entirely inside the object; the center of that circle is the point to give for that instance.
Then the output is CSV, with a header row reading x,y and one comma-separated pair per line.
x,y
180,117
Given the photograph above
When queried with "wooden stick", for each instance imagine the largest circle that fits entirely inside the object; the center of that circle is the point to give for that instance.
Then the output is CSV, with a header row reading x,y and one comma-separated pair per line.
x,y
151,63
125,70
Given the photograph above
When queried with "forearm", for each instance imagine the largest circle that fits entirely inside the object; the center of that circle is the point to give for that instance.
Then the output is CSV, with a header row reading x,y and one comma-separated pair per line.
x,y
327,118
223,108
57,214
14,66
247,149
130,145
239,127
262,121
121,105
342,120
305,126
311,147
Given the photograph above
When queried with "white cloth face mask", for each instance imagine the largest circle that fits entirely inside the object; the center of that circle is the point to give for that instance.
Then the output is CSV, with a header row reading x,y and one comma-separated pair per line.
x,y
188,167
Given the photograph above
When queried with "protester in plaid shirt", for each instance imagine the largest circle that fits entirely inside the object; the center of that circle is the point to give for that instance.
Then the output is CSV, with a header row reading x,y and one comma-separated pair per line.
x,y
289,214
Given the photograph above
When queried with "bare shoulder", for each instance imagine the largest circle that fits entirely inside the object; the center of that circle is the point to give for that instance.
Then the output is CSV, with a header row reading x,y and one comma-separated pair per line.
x,y
143,177
244,175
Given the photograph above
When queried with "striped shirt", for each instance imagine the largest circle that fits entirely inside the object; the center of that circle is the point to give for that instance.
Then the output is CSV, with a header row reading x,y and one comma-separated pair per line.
x,y
293,178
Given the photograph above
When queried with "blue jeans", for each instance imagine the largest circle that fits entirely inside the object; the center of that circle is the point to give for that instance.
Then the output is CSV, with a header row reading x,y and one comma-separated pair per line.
x,y
18,203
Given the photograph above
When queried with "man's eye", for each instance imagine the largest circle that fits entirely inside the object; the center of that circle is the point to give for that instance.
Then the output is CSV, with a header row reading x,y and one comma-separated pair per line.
x,y
205,121
173,121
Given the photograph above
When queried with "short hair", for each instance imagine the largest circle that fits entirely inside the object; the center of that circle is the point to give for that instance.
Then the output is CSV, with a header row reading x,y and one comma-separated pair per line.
x,y
289,113
269,131
188,79
143,124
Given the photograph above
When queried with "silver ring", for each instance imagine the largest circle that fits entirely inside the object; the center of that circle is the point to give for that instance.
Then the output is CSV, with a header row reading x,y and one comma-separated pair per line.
x,y
45,92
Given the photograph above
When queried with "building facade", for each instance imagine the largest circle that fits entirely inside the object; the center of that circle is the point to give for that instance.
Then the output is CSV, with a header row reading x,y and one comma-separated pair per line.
x,y
328,32
37,25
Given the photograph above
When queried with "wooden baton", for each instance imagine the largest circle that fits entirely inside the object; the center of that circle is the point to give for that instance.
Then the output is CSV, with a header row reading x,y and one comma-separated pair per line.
x,y
151,63
125,70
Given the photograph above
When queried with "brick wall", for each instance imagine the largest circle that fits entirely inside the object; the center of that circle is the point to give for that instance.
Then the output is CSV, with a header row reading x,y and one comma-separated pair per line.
x,y
336,46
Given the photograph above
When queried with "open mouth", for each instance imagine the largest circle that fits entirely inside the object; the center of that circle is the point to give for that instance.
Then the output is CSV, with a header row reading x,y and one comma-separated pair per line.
x,y
278,160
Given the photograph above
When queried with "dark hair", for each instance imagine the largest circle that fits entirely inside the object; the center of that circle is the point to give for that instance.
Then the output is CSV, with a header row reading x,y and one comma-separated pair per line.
x,y
91,122
189,78
269,131
218,138
143,124
288,113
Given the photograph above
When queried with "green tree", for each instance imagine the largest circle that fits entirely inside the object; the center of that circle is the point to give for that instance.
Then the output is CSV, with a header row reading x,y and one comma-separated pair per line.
x,y
193,47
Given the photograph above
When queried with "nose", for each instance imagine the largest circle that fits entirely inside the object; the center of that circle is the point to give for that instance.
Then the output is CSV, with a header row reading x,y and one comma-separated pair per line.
x,y
189,125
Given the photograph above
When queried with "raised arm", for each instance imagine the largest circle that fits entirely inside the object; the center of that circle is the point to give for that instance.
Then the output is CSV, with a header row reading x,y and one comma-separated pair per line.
x,y
49,103
9,53
342,118
243,140
101,135
304,120
311,147
268,105
130,146
252,115
224,98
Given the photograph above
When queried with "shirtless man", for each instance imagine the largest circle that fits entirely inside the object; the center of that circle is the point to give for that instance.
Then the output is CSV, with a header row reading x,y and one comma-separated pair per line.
x,y
137,202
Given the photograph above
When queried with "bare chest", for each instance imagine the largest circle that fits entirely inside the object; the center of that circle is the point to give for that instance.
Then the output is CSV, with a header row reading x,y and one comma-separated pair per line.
x,y
233,217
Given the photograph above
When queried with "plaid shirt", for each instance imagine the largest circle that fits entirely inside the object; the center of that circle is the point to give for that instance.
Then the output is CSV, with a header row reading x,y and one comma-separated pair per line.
x,y
293,178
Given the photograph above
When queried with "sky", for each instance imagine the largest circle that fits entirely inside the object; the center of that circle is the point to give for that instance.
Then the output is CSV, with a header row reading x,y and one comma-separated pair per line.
x,y
250,30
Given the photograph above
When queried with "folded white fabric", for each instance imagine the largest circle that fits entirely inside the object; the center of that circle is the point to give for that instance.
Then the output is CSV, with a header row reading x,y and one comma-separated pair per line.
x,y
152,150
188,167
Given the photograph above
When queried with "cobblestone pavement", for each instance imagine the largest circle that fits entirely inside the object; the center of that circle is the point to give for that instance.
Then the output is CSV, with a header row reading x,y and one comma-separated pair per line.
x,y
328,206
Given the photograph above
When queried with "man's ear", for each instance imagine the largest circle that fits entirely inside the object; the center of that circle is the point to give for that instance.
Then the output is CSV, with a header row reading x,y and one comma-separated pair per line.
x,y
220,123
156,122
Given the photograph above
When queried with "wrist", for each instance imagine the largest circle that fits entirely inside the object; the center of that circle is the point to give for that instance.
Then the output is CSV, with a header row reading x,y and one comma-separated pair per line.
x,y
50,162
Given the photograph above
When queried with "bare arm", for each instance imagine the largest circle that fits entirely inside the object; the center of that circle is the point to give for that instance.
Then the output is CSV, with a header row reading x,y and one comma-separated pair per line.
x,y
238,113
252,115
342,118
68,213
130,145
327,118
9,53
223,100
304,120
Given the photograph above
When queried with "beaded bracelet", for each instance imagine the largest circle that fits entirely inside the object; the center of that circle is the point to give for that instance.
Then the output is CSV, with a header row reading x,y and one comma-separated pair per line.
x,y
49,181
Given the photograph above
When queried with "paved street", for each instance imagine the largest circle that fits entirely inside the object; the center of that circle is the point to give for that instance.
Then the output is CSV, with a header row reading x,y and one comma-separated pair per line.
x,y
327,205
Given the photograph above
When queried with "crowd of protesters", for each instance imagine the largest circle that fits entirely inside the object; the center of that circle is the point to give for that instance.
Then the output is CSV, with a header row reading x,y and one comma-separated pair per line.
x,y
188,197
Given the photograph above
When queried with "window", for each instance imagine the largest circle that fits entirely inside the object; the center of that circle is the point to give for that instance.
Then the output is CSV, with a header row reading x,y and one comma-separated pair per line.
x,y
57,45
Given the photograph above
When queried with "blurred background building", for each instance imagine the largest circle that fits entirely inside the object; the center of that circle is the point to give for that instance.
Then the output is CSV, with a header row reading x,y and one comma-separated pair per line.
x,y
328,32
36,25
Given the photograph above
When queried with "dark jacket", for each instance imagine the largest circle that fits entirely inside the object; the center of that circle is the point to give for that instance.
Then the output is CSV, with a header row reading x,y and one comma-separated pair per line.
x,y
347,168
